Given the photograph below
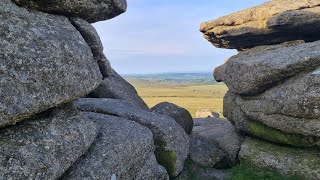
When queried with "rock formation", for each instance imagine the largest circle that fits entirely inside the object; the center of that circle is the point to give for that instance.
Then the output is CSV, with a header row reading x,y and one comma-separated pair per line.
x,y
273,82
66,114
273,22
171,140
123,148
51,62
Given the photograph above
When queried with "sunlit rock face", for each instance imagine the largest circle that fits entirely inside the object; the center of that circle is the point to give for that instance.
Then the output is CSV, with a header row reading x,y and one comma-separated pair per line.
x,y
273,22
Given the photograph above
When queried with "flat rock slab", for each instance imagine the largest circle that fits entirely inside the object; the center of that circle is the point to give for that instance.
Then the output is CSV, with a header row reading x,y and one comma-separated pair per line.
x,y
297,98
262,117
124,149
258,69
273,22
44,61
172,142
181,115
214,142
115,87
45,147
90,10
302,163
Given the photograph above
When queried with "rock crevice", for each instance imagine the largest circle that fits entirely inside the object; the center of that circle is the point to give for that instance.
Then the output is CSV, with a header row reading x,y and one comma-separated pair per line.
x,y
92,38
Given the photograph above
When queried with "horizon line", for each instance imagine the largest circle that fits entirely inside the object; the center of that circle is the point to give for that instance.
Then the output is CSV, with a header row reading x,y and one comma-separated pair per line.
x,y
168,72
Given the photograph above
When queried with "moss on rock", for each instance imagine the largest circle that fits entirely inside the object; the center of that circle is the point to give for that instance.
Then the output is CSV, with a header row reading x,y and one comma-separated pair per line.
x,y
167,159
289,161
274,135
245,171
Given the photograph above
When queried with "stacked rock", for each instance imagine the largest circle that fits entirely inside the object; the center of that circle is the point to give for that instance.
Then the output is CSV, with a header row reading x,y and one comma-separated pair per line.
x,y
51,58
273,83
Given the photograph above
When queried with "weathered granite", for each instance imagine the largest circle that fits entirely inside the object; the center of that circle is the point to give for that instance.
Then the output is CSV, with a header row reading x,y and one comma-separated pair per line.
x,y
273,22
179,114
123,149
45,146
301,163
254,117
172,142
44,61
90,10
258,69
214,142
150,171
92,38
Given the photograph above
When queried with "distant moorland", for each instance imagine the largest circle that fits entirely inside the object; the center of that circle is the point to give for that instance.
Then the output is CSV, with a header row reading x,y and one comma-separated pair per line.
x,y
193,91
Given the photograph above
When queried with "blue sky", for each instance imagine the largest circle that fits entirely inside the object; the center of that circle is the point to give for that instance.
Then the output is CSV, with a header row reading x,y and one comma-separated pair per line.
x,y
156,36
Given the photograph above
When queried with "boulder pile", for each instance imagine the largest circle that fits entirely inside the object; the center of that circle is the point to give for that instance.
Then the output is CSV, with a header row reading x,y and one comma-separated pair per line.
x,y
64,112
274,83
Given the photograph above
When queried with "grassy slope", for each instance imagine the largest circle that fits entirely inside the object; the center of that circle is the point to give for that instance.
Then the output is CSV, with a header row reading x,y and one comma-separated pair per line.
x,y
191,96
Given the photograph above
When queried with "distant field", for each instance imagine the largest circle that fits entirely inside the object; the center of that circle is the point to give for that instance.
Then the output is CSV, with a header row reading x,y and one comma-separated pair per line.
x,y
192,96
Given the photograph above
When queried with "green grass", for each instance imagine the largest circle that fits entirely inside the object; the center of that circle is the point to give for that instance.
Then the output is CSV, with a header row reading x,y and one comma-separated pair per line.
x,y
246,172
190,96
